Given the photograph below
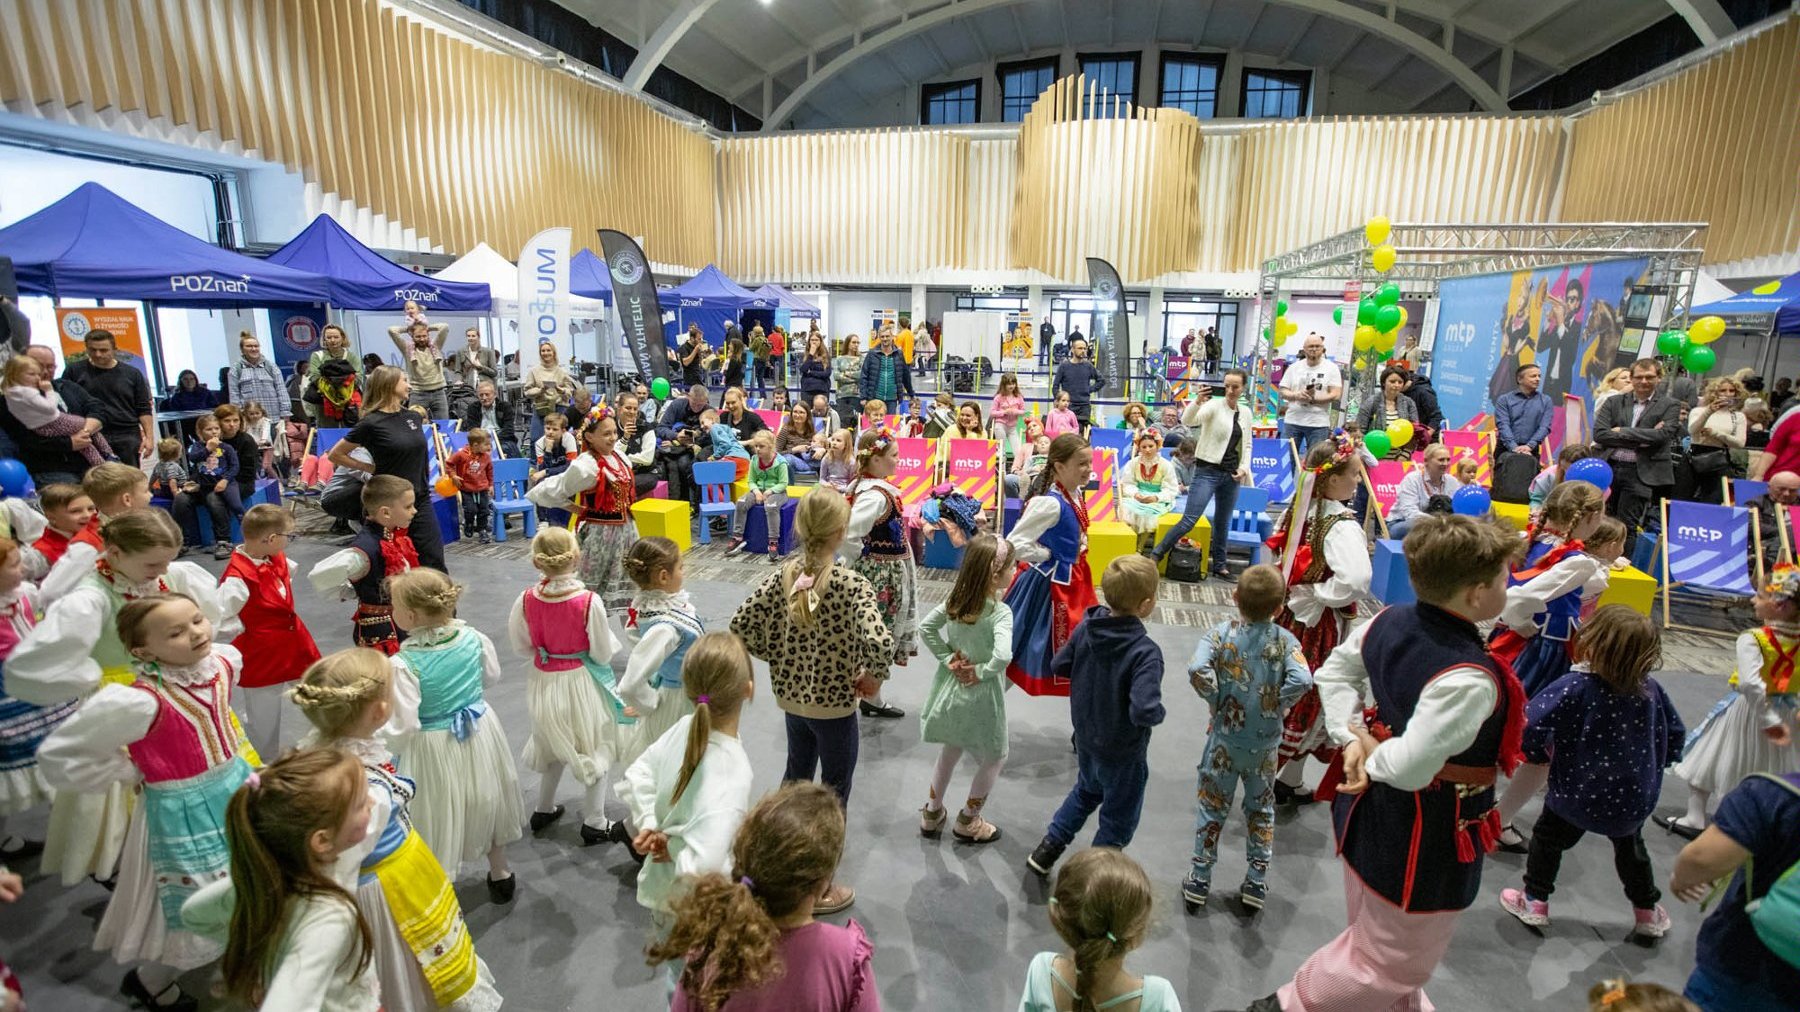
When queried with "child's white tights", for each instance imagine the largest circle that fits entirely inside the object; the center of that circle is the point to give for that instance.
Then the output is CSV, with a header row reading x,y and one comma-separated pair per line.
x,y
593,802
986,775
1696,812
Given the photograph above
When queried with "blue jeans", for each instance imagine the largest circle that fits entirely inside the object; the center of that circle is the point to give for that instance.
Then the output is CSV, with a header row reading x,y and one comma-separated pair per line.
x,y
1210,482
799,464
1115,787
1305,436
826,746
1716,992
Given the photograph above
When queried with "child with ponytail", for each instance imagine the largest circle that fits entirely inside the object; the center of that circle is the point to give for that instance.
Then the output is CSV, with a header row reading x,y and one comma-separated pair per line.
x,y
881,552
1101,908
578,719
1053,587
467,805
819,627
293,937
749,937
690,790
170,731
665,626
423,955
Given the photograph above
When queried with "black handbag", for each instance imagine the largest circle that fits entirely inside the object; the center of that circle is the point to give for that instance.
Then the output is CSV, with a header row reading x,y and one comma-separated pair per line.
x,y
1184,564
1513,473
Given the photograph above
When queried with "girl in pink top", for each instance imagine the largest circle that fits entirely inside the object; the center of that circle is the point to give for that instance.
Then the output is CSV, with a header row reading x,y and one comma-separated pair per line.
x,y
1061,419
1009,404
784,858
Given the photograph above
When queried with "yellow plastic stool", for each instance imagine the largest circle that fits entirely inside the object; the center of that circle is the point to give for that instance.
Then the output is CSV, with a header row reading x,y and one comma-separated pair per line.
x,y
1200,537
1515,513
796,491
666,518
1108,540
1631,587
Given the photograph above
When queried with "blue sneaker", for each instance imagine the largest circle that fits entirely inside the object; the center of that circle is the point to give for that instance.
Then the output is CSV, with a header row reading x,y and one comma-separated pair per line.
x,y
1194,891
1251,894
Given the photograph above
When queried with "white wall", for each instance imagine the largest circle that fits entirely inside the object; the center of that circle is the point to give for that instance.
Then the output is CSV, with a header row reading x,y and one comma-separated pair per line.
x,y
849,312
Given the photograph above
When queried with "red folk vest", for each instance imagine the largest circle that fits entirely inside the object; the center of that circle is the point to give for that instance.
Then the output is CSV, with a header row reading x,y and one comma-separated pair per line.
x,y
276,646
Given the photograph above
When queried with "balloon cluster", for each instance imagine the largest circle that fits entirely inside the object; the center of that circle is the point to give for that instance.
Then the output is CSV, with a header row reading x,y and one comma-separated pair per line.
x,y
1379,318
1283,328
1691,347
1399,432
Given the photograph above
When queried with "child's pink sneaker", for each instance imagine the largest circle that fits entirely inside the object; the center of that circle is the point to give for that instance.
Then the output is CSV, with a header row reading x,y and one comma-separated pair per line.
x,y
1535,913
1652,923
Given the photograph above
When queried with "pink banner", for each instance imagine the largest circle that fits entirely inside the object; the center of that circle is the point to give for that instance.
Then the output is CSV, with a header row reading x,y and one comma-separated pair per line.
x,y
1463,443
1385,476
913,474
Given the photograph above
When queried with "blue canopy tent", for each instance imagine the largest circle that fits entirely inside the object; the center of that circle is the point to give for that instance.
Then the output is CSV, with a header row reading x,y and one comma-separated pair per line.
x,y
782,299
361,278
588,277
1769,310
710,299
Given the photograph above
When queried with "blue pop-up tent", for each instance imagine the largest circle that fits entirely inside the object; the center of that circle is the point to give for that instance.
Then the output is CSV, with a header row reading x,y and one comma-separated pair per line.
x,y
361,278
95,244
777,297
588,277
1780,299
709,299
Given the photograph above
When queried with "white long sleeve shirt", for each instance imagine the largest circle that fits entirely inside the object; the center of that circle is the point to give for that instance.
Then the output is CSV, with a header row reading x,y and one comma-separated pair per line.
x,y
1527,600
701,825
1414,492
1039,515
1347,555
599,633
233,595
869,508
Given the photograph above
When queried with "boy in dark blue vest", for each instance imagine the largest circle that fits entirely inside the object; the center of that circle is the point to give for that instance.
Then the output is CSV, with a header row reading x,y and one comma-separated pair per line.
x,y
1415,810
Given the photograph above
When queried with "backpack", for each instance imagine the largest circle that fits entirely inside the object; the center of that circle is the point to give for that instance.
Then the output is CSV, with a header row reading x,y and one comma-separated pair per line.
x,y
1776,914
1183,563
1513,473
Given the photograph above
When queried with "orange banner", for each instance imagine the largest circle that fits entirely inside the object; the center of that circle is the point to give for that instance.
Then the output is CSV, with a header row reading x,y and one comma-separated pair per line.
x,y
73,326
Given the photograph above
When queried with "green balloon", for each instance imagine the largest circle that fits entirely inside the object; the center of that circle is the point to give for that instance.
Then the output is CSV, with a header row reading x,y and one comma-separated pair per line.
x,y
1378,443
1698,358
1671,342
1387,294
1281,307
1365,311
659,388
1387,318
1265,333
1337,315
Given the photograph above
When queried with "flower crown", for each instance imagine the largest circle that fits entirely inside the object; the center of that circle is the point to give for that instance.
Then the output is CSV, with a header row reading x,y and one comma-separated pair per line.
x,y
1784,583
599,413
884,438
1344,448
1150,432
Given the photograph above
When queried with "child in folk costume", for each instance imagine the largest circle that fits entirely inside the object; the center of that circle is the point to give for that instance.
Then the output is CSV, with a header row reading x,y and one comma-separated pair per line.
x,y
23,726
382,550
664,626
688,793
75,649
578,719
1148,486
422,951
1053,587
880,550
450,742
971,636
298,830
1414,813
256,596
1752,729
68,512
600,483
171,731
113,488
1329,571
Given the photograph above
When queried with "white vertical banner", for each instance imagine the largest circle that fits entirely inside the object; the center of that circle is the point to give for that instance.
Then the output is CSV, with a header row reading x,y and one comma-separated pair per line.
x,y
544,296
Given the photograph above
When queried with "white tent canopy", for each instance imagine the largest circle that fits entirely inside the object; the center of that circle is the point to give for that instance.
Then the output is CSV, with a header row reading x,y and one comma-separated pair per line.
x,y
484,263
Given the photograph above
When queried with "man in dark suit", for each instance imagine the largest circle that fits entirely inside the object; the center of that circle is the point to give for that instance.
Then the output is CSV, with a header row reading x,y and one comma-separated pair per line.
x,y
1639,433
488,411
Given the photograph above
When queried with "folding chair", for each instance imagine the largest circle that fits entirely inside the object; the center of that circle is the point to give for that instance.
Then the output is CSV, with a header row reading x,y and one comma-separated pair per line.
x,y
714,478
510,476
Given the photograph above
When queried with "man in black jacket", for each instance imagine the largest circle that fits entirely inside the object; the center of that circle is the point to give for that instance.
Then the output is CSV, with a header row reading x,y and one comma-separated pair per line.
x,y
1424,397
488,412
1639,430
1081,380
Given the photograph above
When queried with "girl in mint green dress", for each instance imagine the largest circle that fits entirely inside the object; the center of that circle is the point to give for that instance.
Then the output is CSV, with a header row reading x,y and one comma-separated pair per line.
x,y
1101,908
971,636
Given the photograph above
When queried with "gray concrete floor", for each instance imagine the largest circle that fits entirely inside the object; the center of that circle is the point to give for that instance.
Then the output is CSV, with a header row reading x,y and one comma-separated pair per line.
x,y
954,926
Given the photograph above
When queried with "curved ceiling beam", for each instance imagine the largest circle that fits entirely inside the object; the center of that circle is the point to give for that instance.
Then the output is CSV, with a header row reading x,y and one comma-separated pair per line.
x,y
1708,20
656,49
1336,10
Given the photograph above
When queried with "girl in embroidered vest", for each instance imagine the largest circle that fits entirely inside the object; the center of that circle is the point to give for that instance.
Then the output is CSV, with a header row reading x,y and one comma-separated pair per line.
x,y
600,483
578,719
664,625
1752,729
1149,488
298,831
382,549
170,731
423,955
1053,588
256,593
451,744
75,648
880,550
22,726
1331,570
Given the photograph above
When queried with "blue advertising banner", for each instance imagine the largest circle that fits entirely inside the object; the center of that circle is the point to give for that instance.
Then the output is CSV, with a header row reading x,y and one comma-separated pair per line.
x,y
1566,320
296,334
1709,546
1272,467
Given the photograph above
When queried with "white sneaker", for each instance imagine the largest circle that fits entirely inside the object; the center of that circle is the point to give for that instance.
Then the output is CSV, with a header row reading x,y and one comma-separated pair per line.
x,y
1652,923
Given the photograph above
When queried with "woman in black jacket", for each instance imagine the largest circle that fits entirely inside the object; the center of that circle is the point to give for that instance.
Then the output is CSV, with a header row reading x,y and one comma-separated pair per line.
x,y
815,369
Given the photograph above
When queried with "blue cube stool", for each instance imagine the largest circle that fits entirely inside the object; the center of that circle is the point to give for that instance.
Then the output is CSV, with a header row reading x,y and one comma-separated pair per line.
x,y
203,520
1011,511
449,517
941,552
756,528
1391,583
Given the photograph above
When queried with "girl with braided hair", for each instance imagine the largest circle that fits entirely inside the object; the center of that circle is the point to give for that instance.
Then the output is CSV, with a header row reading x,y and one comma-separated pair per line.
x,y
1101,909
598,488
1330,571
662,625
880,550
467,806
422,952
579,721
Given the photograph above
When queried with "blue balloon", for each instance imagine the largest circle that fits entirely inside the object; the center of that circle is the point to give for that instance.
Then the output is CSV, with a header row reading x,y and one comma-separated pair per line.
x,y
13,478
1593,470
1472,501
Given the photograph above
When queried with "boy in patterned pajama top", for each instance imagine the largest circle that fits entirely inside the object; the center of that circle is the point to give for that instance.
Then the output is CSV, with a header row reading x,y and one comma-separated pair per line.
x,y
1249,670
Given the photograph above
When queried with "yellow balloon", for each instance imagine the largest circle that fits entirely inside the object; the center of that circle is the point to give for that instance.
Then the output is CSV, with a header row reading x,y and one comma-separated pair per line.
x,y
1767,288
1384,341
1364,338
1383,258
1402,315
1400,432
1706,330
1377,229
1287,326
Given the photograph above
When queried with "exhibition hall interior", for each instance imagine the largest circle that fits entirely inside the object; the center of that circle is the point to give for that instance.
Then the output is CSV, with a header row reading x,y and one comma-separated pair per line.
x,y
1324,473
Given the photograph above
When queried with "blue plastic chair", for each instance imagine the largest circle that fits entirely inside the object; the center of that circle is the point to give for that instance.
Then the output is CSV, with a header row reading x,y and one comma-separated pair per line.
x,y
510,476
1250,524
714,478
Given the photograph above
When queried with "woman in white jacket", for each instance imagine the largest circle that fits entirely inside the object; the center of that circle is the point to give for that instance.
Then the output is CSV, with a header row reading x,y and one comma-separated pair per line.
x,y
1221,431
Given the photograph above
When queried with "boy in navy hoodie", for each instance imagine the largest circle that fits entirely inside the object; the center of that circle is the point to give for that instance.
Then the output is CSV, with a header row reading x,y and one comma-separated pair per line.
x,y
1115,697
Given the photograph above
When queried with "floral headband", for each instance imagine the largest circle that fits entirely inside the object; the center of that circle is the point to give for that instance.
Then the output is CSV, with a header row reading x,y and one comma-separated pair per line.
x,y
884,438
1344,448
599,413
1784,583
1150,432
